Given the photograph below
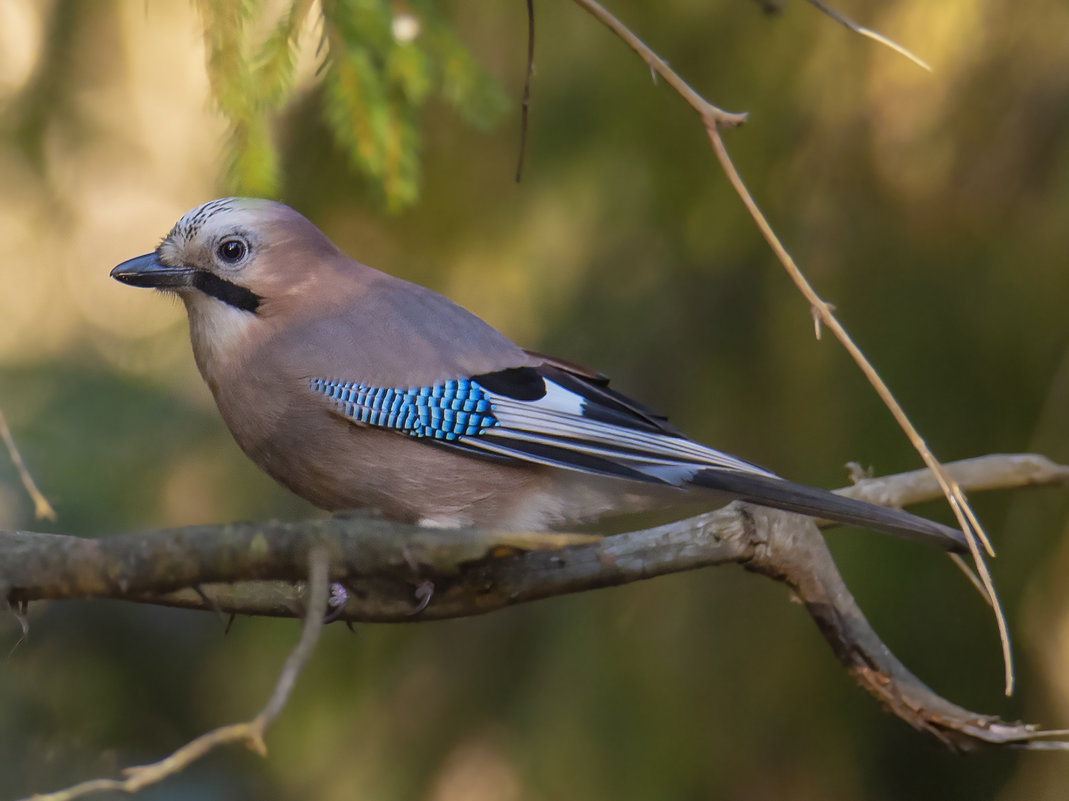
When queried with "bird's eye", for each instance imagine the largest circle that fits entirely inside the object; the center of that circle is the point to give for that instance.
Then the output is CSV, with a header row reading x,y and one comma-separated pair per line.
x,y
232,250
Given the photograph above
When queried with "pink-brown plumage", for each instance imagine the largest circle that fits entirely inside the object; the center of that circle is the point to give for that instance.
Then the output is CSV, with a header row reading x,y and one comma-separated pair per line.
x,y
274,307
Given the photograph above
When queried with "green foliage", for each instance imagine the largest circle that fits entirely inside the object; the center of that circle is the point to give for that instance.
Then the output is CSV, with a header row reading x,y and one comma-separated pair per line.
x,y
379,68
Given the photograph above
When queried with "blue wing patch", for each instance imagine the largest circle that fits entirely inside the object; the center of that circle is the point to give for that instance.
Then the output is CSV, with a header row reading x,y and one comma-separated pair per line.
x,y
556,426
573,422
446,411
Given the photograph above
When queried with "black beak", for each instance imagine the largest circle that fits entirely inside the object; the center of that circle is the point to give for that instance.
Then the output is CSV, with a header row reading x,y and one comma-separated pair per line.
x,y
148,271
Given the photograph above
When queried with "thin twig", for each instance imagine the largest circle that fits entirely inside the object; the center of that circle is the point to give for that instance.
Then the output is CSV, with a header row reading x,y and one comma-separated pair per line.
x,y
42,508
714,120
250,732
318,595
526,103
844,20
974,533
725,119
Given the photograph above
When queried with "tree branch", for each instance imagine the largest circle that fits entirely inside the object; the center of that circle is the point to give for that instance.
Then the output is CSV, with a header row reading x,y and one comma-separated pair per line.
x,y
715,120
248,568
250,732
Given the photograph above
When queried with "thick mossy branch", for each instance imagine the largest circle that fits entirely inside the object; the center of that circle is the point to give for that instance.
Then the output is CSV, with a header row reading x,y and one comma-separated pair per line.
x,y
259,569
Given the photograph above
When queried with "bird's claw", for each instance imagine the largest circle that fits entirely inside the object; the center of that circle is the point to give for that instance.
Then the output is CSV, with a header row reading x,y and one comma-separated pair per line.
x,y
339,597
424,592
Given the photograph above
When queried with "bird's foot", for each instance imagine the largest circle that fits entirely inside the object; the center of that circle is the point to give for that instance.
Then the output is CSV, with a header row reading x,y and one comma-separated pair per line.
x,y
339,596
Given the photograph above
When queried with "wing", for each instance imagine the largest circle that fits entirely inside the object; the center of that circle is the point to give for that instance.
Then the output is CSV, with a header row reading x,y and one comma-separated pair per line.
x,y
548,415
562,416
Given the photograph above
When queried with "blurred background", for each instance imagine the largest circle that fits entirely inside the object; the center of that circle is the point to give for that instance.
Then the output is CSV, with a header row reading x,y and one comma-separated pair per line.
x,y
929,208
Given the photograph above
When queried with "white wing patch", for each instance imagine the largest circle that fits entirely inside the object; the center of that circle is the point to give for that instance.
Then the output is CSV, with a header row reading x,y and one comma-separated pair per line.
x,y
558,399
553,430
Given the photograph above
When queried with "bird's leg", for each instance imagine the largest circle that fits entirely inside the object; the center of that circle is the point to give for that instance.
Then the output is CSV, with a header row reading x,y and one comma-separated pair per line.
x,y
339,596
424,592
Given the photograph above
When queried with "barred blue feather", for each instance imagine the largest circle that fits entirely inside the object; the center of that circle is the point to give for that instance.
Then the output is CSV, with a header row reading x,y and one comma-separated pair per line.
x,y
521,415
446,411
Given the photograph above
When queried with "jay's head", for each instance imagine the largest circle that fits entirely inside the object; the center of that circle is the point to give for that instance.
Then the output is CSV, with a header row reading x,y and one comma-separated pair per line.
x,y
244,253
238,262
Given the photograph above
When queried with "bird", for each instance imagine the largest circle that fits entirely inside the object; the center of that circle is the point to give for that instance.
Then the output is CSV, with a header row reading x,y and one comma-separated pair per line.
x,y
357,389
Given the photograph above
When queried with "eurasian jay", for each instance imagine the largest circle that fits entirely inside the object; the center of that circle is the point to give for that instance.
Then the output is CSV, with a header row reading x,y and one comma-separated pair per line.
x,y
354,389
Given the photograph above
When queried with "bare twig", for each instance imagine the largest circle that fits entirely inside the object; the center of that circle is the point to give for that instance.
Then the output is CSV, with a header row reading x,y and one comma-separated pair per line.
x,y
714,120
526,102
844,20
996,471
250,732
724,119
974,532
42,508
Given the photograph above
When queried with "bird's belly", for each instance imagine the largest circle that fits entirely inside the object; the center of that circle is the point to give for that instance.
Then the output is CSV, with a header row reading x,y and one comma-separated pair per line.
x,y
337,465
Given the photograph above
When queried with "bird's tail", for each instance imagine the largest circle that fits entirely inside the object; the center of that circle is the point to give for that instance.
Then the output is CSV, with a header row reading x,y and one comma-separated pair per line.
x,y
779,493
